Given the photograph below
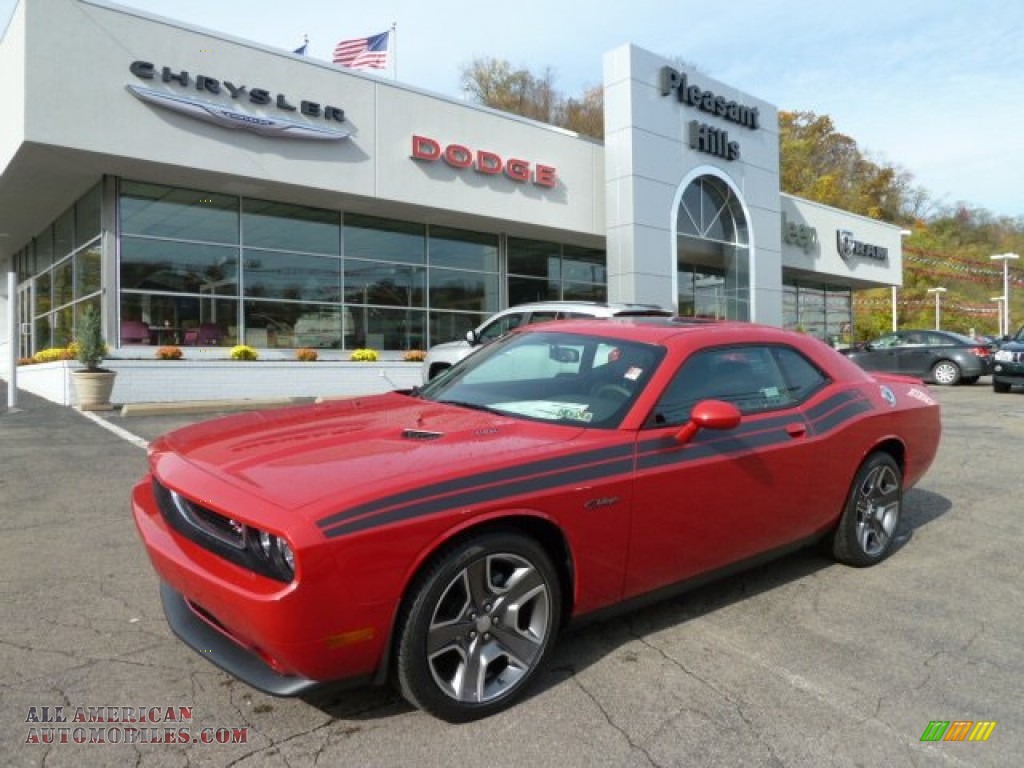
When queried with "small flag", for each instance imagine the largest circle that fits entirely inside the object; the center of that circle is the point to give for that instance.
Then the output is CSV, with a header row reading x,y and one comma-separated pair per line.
x,y
301,50
364,53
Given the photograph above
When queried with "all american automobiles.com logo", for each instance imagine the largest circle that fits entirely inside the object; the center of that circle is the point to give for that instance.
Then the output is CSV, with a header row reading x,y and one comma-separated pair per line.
x,y
124,725
958,730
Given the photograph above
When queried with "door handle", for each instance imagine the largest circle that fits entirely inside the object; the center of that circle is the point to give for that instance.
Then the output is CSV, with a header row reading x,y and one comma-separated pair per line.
x,y
796,429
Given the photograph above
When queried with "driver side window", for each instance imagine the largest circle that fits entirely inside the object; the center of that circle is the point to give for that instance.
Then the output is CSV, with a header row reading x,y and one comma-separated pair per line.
x,y
747,377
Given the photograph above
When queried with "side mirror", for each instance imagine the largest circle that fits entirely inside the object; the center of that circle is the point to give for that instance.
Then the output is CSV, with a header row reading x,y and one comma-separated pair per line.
x,y
472,338
709,414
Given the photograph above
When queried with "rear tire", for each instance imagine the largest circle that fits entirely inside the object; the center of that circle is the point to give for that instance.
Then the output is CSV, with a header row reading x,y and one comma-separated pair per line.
x,y
867,528
481,622
946,373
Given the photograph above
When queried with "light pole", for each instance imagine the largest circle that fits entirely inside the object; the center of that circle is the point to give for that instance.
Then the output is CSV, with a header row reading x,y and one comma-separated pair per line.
x,y
1005,258
938,303
999,308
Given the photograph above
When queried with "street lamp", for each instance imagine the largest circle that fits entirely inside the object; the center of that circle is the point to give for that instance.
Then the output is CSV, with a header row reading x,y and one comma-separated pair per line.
x,y
938,300
1005,258
999,308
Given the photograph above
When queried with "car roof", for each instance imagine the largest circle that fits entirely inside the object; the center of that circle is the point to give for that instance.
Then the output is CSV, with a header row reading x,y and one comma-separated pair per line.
x,y
657,330
597,307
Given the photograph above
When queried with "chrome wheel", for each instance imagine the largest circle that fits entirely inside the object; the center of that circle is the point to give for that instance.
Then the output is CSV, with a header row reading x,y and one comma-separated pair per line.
x,y
477,624
489,628
878,510
946,373
867,527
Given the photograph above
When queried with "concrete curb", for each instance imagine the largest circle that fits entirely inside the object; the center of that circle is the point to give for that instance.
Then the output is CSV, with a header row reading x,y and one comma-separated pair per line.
x,y
209,406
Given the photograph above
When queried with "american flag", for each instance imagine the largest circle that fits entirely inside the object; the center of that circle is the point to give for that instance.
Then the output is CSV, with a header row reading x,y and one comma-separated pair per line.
x,y
364,53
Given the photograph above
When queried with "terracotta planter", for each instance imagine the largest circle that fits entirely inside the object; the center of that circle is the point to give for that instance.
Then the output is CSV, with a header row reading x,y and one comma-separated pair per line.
x,y
92,389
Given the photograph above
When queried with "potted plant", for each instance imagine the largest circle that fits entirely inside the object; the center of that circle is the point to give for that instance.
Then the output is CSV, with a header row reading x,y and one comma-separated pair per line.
x,y
93,384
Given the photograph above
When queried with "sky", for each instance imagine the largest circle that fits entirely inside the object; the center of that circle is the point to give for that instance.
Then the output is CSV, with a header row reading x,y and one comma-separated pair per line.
x,y
935,87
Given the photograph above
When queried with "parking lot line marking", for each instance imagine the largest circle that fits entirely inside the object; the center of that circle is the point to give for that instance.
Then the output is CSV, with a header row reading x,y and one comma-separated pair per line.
x,y
124,434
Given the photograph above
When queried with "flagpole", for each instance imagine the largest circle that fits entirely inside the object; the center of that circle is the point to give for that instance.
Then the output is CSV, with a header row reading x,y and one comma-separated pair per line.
x,y
394,41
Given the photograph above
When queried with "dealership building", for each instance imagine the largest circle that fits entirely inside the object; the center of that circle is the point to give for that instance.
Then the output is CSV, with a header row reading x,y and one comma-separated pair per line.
x,y
207,191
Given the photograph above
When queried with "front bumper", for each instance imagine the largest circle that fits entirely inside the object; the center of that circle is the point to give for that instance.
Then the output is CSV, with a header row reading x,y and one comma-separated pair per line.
x,y
277,638
216,647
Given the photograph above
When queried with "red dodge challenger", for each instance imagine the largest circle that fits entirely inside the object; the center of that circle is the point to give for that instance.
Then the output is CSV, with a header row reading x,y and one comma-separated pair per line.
x,y
440,537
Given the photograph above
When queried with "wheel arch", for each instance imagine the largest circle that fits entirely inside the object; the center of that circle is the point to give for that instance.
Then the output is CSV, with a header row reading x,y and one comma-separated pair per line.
x,y
534,526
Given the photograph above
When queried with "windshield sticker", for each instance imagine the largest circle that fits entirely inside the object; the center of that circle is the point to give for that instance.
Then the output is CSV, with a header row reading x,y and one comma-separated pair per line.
x,y
633,373
547,409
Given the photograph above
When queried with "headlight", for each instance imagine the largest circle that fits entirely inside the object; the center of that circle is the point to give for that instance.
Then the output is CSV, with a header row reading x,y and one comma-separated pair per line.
x,y
277,554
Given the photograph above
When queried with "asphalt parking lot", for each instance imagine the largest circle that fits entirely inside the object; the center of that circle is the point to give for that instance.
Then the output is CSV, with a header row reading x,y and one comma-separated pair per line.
x,y
801,662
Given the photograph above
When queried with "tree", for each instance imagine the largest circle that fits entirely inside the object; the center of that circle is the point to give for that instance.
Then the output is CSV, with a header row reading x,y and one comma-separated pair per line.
x,y
494,83
819,163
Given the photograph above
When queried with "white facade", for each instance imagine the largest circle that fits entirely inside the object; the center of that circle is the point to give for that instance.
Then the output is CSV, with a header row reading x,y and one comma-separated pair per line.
x,y
83,82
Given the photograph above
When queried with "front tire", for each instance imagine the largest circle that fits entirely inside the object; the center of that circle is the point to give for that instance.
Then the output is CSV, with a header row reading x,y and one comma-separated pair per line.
x,y
481,622
946,373
868,525
1000,387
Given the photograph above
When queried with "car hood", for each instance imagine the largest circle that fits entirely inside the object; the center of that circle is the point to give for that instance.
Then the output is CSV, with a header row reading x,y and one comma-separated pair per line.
x,y
353,451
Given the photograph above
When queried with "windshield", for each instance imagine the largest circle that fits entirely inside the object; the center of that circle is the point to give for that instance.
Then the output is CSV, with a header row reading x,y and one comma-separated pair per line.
x,y
565,378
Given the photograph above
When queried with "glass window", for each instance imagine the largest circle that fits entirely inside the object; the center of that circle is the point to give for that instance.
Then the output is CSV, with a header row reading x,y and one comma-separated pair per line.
x,y
534,258
87,216
63,235
452,326
584,292
499,326
560,378
87,271
802,377
290,227
384,240
747,377
368,282
270,274
458,249
584,265
184,214
44,248
273,324
525,289
44,299
165,265
63,283
379,328
473,291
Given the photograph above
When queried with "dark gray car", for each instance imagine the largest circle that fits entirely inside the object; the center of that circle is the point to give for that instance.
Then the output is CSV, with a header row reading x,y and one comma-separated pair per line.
x,y
941,357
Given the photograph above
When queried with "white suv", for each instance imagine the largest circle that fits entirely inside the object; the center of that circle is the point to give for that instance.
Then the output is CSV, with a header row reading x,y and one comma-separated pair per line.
x,y
441,357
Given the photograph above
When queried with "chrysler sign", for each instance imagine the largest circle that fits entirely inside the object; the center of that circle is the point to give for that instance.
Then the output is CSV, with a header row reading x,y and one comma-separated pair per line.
x,y
182,93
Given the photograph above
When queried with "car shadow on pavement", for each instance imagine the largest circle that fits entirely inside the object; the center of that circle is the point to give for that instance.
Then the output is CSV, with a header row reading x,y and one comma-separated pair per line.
x,y
591,641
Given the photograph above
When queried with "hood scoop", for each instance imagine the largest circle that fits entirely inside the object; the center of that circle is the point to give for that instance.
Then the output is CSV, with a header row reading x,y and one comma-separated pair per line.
x,y
421,434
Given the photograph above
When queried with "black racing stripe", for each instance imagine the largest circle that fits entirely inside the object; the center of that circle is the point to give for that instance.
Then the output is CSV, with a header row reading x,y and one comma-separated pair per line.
x,y
719,446
504,474
833,402
483,495
841,415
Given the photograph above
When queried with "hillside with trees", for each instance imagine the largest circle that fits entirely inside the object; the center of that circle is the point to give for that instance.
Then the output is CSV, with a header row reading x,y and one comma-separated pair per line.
x,y
949,246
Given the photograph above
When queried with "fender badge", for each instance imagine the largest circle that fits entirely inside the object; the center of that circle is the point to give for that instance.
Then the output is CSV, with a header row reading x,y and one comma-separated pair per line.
x,y
888,395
